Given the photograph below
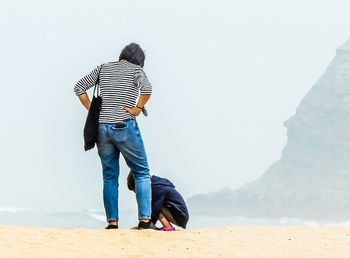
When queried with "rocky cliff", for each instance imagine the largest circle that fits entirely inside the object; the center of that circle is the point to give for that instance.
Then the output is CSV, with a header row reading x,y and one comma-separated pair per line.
x,y
312,178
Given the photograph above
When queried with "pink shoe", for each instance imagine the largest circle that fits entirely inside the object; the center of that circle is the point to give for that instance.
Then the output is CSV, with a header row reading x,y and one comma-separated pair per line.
x,y
167,229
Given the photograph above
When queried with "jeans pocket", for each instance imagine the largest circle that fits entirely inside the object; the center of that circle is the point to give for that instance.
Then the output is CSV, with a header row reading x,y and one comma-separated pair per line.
x,y
120,132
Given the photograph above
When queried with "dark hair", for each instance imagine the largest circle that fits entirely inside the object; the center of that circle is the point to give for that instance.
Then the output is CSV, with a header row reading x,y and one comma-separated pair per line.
x,y
131,182
133,53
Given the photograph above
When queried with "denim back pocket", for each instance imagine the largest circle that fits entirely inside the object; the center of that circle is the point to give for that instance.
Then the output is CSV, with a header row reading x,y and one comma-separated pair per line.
x,y
120,132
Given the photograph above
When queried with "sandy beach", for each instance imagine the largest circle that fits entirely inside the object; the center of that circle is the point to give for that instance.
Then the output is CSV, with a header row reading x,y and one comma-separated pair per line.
x,y
259,241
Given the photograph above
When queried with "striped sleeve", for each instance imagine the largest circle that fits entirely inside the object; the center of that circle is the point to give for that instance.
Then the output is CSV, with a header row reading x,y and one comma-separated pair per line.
x,y
141,82
87,81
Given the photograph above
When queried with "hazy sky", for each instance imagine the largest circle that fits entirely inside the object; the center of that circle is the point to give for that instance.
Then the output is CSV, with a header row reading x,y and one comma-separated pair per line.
x,y
225,75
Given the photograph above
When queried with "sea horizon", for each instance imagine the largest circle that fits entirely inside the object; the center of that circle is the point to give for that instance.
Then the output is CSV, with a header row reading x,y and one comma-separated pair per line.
x,y
95,219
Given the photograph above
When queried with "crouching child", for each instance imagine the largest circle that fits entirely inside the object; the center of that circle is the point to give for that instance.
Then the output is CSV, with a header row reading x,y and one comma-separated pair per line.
x,y
168,206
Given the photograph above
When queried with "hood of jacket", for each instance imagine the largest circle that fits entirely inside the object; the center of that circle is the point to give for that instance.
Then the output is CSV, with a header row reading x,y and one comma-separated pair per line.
x,y
156,180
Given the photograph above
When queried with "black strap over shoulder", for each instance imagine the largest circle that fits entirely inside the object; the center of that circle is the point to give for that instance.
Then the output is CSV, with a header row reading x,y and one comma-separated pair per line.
x,y
98,83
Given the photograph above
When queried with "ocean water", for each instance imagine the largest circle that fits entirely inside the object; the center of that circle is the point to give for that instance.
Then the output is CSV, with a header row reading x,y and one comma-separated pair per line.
x,y
128,218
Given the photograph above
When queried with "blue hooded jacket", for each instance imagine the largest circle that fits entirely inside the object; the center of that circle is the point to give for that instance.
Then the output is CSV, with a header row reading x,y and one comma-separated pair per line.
x,y
165,195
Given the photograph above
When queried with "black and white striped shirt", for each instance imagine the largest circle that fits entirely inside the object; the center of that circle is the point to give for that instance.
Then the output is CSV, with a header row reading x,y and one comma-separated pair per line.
x,y
120,84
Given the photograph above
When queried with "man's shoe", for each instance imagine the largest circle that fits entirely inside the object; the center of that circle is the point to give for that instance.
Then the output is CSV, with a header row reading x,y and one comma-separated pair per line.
x,y
110,226
144,225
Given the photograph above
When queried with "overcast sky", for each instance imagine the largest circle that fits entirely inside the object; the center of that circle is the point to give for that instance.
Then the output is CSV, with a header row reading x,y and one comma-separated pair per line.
x,y
225,75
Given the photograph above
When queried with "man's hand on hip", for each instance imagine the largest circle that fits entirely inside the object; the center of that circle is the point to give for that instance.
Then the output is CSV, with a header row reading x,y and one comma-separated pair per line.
x,y
135,111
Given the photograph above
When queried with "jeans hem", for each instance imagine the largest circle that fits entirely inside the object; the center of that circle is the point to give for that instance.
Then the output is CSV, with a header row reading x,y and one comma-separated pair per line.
x,y
110,219
143,217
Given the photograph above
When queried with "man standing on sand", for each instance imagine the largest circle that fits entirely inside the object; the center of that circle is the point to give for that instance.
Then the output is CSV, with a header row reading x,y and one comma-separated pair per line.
x,y
120,83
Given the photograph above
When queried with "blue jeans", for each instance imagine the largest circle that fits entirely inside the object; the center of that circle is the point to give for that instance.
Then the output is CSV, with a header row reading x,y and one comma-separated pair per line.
x,y
125,138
